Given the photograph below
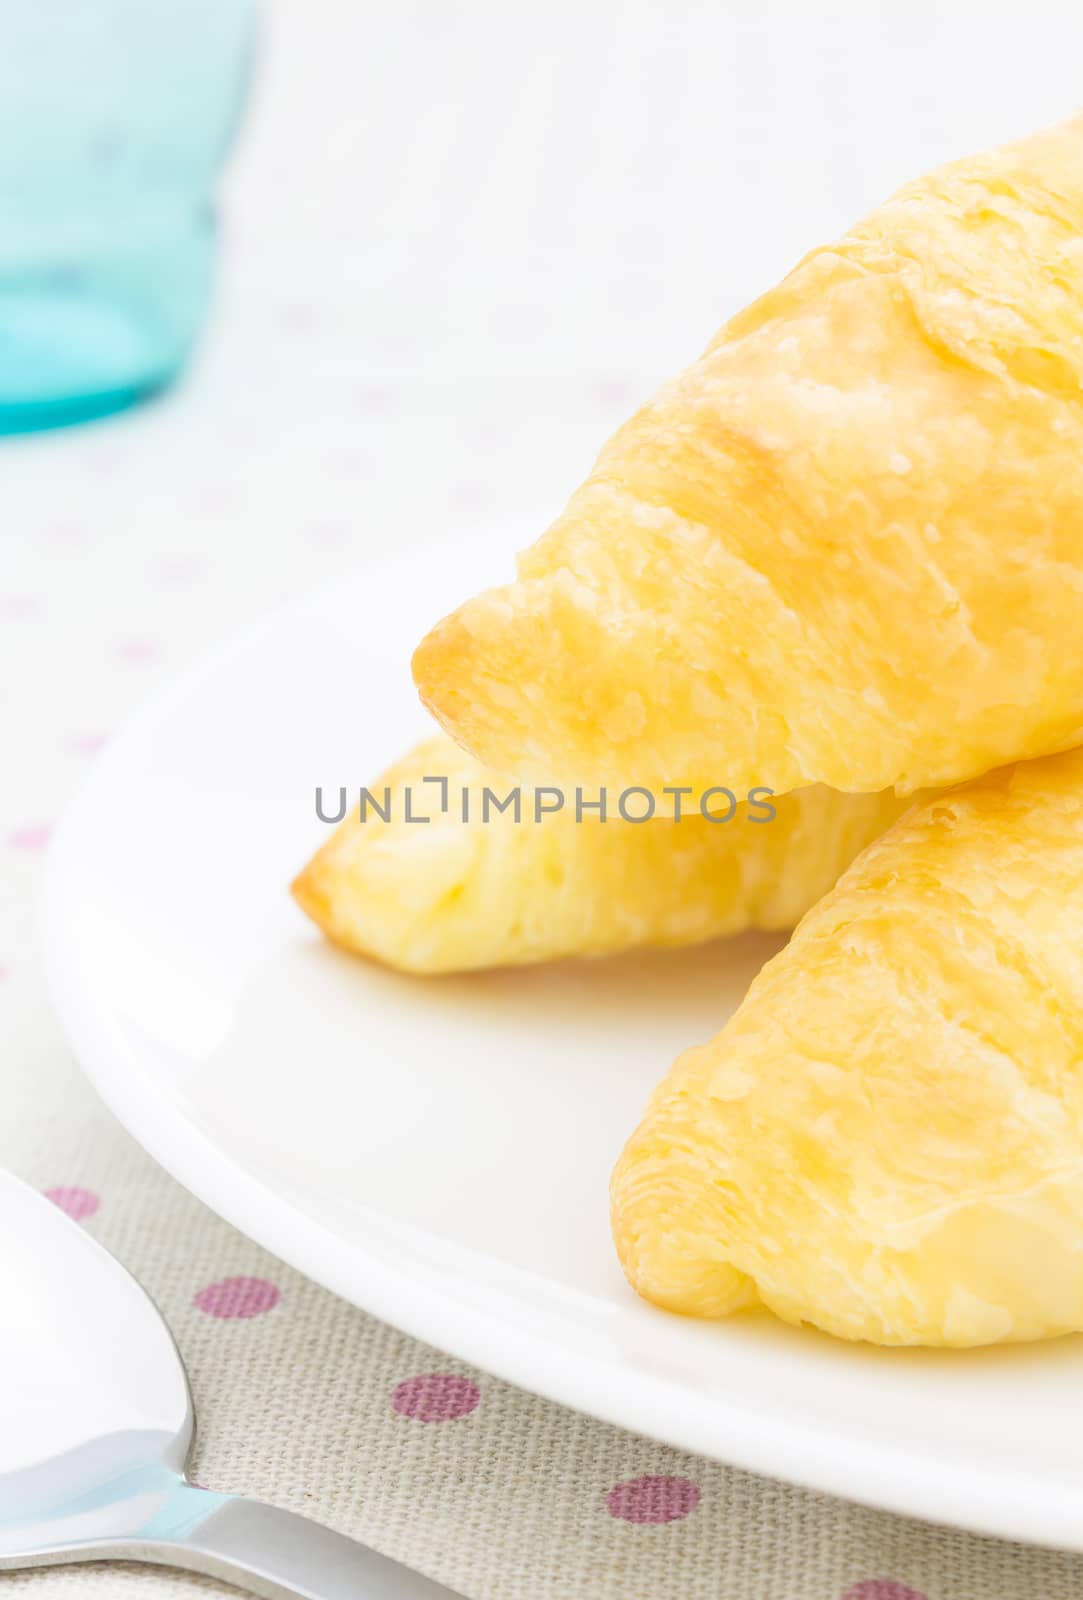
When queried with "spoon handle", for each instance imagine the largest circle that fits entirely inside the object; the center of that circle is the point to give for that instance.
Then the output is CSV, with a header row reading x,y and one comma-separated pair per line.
x,y
281,1556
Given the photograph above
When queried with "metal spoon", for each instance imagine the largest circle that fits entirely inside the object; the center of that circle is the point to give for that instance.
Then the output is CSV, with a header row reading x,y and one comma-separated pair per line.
x,y
95,1428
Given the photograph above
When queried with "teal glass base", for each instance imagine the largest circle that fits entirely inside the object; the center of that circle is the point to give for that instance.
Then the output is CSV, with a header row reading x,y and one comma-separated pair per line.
x,y
67,411
98,337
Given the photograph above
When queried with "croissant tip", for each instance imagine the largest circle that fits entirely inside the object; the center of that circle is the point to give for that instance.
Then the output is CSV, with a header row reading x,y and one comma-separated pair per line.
x,y
309,892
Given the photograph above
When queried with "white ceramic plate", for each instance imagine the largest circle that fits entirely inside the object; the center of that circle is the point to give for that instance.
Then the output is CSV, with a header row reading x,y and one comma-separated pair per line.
x,y
438,1151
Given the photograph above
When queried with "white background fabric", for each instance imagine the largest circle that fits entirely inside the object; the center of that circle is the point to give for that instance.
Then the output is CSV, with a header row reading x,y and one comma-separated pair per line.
x,y
461,242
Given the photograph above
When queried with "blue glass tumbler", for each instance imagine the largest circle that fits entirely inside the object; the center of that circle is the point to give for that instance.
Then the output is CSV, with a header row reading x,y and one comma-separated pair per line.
x,y
115,118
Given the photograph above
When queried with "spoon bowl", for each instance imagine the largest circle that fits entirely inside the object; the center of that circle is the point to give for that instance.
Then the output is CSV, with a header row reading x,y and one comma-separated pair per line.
x,y
96,1425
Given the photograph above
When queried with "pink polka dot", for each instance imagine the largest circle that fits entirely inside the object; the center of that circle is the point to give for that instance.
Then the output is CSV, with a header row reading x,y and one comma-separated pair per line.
x,y
137,652
297,315
435,1397
349,462
88,744
373,398
217,495
238,1297
329,534
880,1589
65,533
33,836
616,392
521,319
102,466
16,607
469,497
652,1499
178,569
78,1204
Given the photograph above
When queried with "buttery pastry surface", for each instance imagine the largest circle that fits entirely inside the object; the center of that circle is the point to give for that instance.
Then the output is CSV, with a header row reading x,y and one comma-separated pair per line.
x,y
886,1140
449,896
845,546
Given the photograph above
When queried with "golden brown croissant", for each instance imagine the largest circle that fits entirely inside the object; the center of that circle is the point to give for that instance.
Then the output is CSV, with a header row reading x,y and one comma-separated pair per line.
x,y
886,1140
845,546
449,896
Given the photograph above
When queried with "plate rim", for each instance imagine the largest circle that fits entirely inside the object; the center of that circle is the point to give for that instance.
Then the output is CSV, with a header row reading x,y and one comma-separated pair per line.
x,y
881,1476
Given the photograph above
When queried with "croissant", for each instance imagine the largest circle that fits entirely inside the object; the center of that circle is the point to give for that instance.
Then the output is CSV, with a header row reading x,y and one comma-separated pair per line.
x,y
500,890
845,546
886,1140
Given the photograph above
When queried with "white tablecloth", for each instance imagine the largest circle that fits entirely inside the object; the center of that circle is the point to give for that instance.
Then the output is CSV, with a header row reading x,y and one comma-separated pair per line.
x,y
461,242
